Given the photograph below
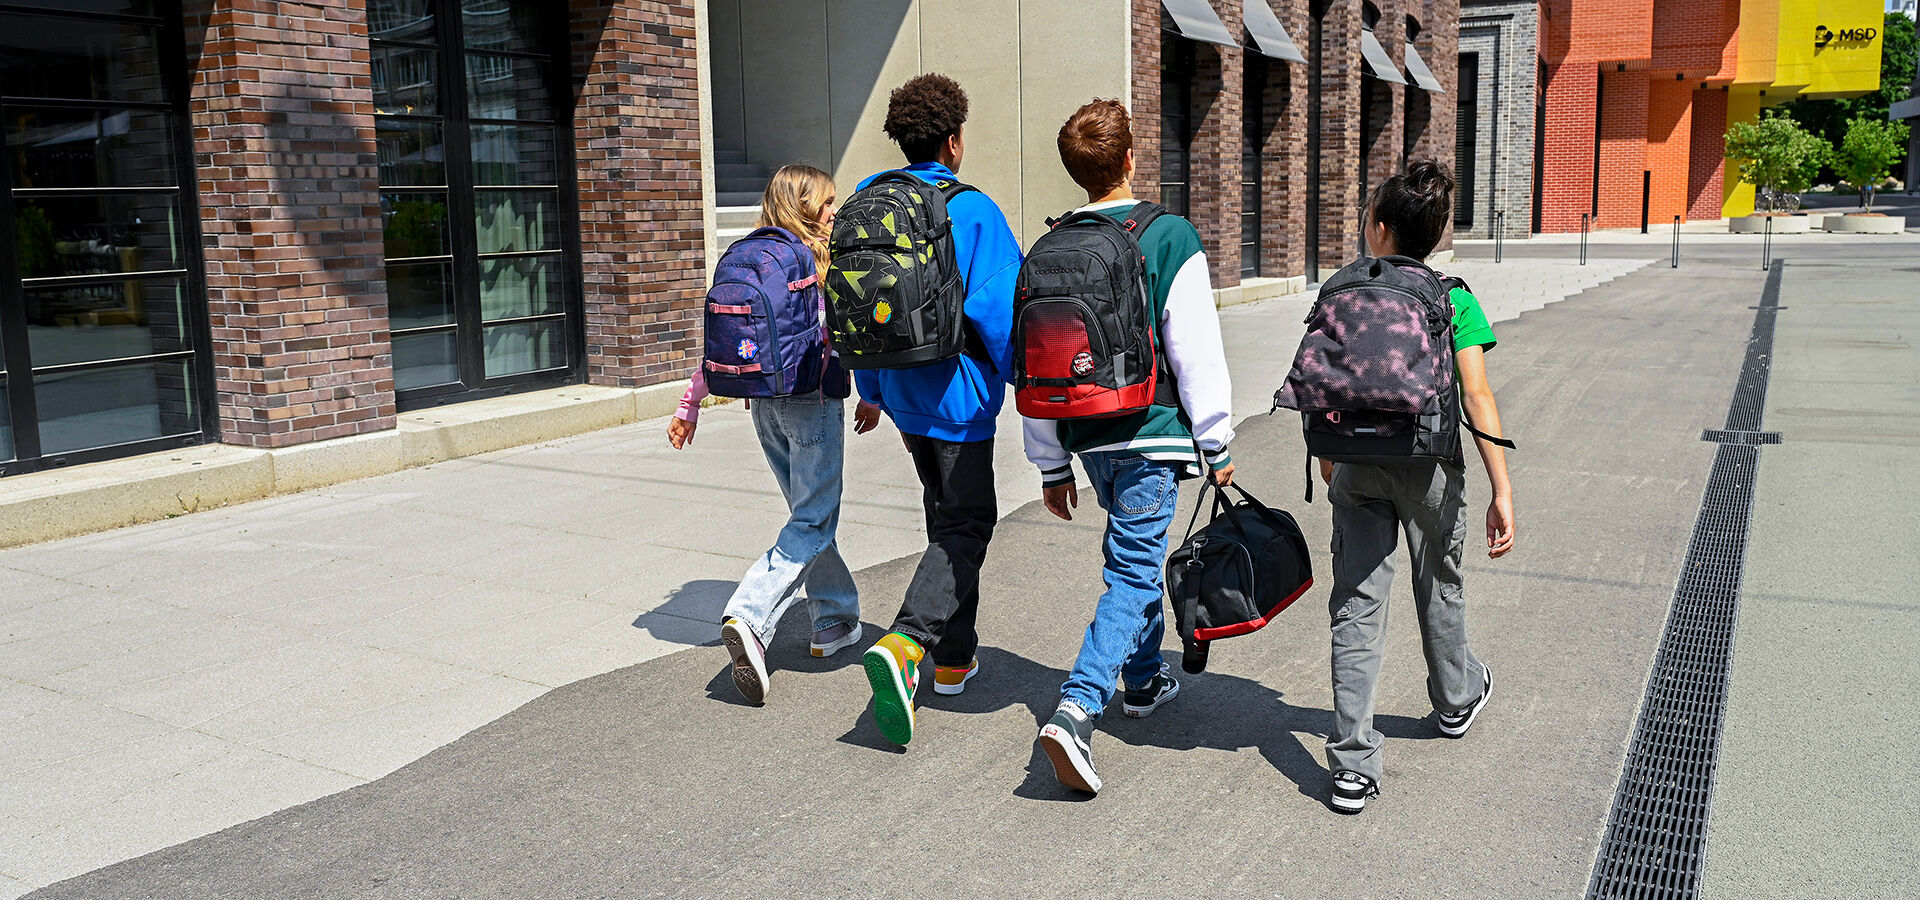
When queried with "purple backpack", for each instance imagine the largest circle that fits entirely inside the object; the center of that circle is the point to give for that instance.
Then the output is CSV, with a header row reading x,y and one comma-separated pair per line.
x,y
1374,378
764,326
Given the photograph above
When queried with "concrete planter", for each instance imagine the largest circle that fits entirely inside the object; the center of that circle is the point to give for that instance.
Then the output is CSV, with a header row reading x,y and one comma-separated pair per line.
x,y
1793,224
1851,224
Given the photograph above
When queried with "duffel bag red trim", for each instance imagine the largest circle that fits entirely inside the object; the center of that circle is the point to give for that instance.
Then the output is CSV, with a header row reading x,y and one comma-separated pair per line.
x,y
1227,631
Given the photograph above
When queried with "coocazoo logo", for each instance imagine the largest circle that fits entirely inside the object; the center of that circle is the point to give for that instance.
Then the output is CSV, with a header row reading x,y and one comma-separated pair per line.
x,y
1822,36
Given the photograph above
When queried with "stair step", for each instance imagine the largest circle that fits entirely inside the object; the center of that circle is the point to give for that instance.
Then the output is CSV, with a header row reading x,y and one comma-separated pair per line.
x,y
738,198
741,170
755,186
722,156
736,216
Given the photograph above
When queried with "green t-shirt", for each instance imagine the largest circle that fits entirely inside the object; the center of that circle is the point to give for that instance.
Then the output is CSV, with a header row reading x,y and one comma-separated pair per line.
x,y
1470,325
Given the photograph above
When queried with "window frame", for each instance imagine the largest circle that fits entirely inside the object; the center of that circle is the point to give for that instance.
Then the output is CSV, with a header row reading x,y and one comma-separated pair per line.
x,y
19,373
457,124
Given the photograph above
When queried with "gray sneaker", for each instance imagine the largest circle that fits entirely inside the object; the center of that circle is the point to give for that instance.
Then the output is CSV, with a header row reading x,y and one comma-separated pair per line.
x,y
1067,739
749,659
834,638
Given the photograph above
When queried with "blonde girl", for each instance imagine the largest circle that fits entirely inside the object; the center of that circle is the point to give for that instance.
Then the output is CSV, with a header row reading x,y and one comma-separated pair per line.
x,y
802,437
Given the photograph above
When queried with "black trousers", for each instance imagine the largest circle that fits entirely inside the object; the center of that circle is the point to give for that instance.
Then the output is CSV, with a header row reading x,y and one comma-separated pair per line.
x,y
956,481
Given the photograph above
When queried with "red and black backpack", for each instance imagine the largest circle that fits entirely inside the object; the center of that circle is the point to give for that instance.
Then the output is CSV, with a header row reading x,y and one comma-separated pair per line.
x,y
1085,337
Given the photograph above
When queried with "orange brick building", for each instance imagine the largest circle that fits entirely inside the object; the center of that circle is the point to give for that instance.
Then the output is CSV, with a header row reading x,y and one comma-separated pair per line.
x,y
1638,94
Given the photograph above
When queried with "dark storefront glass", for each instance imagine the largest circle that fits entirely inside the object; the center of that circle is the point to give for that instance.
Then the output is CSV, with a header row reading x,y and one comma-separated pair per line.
x,y
1176,121
483,288
1253,110
103,316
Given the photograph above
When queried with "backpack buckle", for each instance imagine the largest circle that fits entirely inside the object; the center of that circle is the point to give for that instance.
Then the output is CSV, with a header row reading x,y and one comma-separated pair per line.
x,y
1131,223
1333,417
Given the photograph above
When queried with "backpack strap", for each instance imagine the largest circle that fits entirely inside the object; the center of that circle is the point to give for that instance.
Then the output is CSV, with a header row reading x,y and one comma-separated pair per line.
x,y
1141,216
1497,441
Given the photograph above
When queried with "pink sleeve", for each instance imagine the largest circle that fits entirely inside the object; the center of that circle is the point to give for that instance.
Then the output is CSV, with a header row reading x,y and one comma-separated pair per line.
x,y
696,392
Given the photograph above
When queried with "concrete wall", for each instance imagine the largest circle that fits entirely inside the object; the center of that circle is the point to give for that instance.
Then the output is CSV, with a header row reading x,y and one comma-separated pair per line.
x,y
810,81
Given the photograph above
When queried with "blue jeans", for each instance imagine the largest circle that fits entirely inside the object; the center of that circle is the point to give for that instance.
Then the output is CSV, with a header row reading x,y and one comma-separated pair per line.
x,y
1123,643
803,439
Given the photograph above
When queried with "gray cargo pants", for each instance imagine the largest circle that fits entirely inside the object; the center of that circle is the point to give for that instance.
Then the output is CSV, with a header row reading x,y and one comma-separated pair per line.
x,y
1371,506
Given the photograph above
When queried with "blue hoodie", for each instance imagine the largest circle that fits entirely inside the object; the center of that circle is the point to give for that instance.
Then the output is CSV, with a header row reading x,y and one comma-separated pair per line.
x,y
958,399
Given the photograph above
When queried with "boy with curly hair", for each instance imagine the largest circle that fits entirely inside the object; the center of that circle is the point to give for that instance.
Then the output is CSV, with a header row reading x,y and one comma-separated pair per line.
x,y
945,412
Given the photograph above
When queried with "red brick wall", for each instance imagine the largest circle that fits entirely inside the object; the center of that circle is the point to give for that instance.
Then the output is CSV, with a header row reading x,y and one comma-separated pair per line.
x,y
1219,129
282,117
1146,99
1567,186
1669,147
1704,169
1623,148
1340,157
637,158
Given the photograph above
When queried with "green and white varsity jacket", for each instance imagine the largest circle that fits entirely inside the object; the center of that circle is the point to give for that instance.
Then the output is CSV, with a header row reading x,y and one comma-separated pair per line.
x,y
1201,427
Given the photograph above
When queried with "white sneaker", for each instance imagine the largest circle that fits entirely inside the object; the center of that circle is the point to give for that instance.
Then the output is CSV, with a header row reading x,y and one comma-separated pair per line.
x,y
749,659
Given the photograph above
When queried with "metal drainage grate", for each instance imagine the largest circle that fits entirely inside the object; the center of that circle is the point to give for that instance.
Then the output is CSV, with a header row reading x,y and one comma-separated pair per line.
x,y
1657,831
1748,438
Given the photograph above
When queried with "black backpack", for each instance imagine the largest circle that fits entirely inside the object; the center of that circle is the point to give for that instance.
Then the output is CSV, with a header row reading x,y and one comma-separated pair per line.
x,y
1086,341
1233,576
1374,376
895,297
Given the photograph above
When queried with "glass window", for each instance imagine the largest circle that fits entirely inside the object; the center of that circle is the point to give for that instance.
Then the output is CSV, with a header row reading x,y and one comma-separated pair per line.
x,y
524,347
419,294
513,287
516,221
481,279
424,360
411,154
505,155
56,147
405,81
79,58
62,235
91,408
104,320
102,310
501,25
1176,121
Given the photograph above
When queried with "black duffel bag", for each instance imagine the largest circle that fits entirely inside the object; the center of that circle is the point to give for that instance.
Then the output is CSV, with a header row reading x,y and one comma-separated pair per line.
x,y
1233,576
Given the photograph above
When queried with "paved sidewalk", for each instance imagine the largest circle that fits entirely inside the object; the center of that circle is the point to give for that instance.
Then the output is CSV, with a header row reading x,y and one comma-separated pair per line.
x,y
165,681
654,780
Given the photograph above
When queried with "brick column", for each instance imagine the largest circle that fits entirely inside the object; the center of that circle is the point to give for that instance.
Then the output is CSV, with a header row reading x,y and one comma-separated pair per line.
x,y
1219,130
1567,183
1704,171
1439,45
1340,159
1386,155
1283,161
282,114
1146,99
637,153
1623,148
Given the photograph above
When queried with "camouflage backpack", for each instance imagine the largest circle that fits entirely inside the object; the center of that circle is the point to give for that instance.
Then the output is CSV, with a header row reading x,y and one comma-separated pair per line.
x,y
894,291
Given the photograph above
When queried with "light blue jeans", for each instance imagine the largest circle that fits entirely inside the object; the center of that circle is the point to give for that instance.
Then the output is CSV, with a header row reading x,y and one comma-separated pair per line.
x,y
803,439
1123,643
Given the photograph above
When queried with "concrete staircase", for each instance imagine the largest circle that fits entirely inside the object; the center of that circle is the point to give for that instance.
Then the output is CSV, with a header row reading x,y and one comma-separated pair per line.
x,y
737,185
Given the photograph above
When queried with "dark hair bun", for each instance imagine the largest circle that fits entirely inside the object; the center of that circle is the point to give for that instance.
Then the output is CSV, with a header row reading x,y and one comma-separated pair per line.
x,y
1430,180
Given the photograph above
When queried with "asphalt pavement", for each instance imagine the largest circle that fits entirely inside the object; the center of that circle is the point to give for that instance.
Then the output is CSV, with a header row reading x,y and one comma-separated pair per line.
x,y
655,779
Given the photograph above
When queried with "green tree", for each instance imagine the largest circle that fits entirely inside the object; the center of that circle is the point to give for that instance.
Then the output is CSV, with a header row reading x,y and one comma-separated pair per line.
x,y
1777,157
1829,118
1867,154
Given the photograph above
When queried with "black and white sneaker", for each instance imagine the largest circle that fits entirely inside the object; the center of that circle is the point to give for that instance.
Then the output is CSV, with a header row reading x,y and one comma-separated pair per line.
x,y
1455,724
1351,790
749,659
1141,702
1067,739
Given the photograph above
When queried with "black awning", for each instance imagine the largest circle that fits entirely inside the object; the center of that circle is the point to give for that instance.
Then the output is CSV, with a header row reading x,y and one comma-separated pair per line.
x,y
1195,20
1378,63
1269,35
1422,75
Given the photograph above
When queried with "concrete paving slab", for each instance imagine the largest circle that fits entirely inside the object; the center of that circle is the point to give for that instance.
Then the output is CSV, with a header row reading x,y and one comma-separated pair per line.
x,y
54,638
220,640
374,743
205,692
67,730
1817,794
47,797
560,795
199,797
337,613
336,695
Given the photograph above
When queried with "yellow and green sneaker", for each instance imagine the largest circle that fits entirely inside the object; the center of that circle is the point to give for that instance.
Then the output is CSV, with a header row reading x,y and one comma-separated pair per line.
x,y
893,668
